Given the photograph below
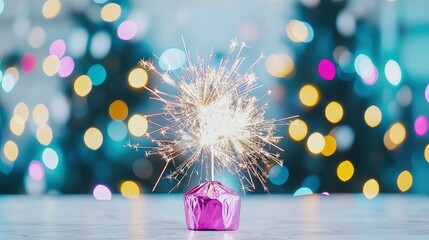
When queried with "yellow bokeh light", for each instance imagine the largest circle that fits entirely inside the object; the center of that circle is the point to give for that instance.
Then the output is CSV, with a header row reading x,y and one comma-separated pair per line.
x,y
297,31
138,78
388,142
404,181
427,153
371,189
345,170
330,146
130,189
309,95
51,8
22,111
82,85
298,130
373,116
44,134
40,114
17,125
334,112
93,138
10,151
51,65
118,110
315,143
137,125
397,133
110,12
279,65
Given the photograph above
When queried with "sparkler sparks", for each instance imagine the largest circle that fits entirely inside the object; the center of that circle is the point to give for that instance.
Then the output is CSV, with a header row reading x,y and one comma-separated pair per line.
x,y
213,119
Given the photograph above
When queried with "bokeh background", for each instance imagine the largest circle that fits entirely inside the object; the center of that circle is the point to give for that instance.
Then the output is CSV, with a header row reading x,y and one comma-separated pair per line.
x,y
356,72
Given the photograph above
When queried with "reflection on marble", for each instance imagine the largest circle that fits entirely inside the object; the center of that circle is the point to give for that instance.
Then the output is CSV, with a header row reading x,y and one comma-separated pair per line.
x,y
263,217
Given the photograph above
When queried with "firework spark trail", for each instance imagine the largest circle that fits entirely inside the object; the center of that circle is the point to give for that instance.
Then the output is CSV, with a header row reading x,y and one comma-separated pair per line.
x,y
213,120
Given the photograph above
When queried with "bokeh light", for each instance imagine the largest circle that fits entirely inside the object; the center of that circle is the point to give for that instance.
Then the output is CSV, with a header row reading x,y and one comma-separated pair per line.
x,y
344,136
127,30
330,146
8,83
278,175
373,116
397,133
137,125
21,110
393,72
309,95
172,59
298,130
1,6
299,31
50,158
315,143
17,125
130,190
44,134
427,93
118,110
10,150
97,73
66,66
82,85
366,69
93,138
279,65
37,37
28,62
117,130
302,192
421,125
345,170
110,12
100,45
371,188
51,8
143,168
101,192
326,69
40,114
36,171
51,65
334,112
138,78
58,48
404,181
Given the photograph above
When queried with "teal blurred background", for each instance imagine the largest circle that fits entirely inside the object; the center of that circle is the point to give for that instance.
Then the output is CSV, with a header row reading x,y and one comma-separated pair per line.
x,y
355,71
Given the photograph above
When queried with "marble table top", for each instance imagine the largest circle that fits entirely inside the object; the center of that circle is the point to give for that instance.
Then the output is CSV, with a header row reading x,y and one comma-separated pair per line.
x,y
262,217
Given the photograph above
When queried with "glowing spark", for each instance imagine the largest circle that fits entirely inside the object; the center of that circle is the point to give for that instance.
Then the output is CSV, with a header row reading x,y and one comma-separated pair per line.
x,y
212,119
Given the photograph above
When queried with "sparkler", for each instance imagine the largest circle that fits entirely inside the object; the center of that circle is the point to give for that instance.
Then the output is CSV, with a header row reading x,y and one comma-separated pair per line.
x,y
213,119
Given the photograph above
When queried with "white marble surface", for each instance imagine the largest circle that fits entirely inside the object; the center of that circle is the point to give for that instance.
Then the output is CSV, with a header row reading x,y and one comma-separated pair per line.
x,y
263,217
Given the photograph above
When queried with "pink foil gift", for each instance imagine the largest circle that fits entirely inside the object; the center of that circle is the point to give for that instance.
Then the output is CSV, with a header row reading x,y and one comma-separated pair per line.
x,y
212,206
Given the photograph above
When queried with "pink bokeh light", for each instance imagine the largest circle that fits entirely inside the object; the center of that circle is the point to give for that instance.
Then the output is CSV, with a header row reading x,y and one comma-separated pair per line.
x,y
36,171
102,192
370,80
28,62
127,30
326,69
421,125
58,48
66,66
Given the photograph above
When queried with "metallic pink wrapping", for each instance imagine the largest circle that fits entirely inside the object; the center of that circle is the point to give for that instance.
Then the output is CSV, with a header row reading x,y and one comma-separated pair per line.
x,y
212,206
